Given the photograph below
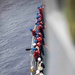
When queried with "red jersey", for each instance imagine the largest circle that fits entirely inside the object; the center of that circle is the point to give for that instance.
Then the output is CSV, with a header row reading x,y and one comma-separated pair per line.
x,y
33,32
41,9
38,44
36,54
39,39
39,27
38,19
40,15
41,23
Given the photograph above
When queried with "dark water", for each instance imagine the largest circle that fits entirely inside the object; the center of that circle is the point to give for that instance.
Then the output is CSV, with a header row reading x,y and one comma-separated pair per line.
x,y
16,17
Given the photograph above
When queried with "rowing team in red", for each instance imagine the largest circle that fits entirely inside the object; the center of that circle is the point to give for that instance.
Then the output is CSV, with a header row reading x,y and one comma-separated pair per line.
x,y
38,34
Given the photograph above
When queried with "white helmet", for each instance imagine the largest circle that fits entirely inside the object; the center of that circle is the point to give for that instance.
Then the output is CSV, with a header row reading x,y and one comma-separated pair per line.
x,y
37,72
39,59
34,44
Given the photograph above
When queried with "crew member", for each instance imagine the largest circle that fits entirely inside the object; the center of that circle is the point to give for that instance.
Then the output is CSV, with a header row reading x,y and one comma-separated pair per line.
x,y
36,54
40,28
40,9
33,31
40,65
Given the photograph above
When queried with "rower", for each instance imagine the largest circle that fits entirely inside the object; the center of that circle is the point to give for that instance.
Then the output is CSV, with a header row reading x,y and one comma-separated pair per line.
x,y
33,31
40,28
40,9
41,65
36,54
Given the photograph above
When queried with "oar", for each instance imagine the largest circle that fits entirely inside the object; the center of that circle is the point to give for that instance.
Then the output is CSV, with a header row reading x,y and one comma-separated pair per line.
x,y
28,49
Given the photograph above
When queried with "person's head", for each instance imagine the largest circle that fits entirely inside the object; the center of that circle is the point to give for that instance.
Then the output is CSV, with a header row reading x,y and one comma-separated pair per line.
x,y
37,72
37,13
34,49
37,31
37,16
34,44
30,29
37,36
38,7
35,41
39,21
39,59
37,24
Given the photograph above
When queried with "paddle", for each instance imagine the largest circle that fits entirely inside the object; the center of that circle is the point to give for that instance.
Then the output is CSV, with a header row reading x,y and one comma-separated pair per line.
x,y
28,49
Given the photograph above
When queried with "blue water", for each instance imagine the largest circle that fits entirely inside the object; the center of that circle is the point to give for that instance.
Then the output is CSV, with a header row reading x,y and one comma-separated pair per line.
x,y
16,17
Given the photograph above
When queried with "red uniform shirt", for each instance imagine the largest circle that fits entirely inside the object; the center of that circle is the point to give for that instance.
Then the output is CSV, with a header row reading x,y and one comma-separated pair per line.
x,y
39,27
40,15
41,9
33,32
39,39
38,44
41,23
36,54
